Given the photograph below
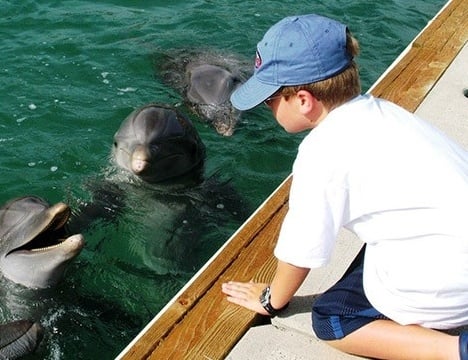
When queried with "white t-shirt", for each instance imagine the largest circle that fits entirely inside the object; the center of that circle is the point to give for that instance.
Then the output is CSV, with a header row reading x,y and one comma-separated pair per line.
x,y
402,186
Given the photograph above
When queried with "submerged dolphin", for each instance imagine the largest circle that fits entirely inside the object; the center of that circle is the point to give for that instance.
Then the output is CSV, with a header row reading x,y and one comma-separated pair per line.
x,y
210,84
159,144
206,79
19,338
209,89
34,250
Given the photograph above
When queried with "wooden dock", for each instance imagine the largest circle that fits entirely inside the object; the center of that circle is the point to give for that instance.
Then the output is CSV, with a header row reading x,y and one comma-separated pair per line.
x,y
199,323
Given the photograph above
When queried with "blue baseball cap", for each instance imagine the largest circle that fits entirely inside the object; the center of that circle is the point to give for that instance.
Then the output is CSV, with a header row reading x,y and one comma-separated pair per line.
x,y
295,51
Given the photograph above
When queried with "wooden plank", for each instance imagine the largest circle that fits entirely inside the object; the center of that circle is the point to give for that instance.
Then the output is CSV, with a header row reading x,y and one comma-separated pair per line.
x,y
214,321
408,82
200,323
438,34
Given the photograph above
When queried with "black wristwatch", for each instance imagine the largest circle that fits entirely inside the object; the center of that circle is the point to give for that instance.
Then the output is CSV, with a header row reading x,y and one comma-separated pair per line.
x,y
265,301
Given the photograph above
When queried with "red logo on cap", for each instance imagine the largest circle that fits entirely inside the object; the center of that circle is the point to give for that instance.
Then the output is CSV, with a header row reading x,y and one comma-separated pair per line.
x,y
258,60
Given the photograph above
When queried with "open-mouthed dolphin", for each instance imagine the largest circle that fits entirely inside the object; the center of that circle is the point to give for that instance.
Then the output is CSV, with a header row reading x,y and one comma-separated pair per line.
x,y
34,250
19,338
159,144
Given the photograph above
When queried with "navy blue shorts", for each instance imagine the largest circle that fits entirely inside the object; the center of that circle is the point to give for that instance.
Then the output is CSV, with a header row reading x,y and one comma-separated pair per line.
x,y
344,307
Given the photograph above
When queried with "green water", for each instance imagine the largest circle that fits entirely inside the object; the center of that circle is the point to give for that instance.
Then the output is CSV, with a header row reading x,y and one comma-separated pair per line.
x,y
71,71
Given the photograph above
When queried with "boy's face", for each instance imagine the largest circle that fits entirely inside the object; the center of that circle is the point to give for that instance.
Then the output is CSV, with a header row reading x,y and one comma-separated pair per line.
x,y
287,112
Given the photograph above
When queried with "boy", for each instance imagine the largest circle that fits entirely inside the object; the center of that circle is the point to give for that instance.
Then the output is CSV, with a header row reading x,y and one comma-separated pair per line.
x,y
379,171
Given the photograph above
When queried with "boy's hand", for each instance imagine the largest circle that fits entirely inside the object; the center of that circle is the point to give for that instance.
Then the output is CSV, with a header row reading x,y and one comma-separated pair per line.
x,y
245,294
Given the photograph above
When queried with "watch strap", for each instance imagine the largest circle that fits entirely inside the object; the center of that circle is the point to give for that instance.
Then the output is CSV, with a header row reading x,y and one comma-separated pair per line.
x,y
265,301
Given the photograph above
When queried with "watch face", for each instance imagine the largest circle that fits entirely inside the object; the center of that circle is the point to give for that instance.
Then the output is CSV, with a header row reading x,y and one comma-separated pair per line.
x,y
265,301
265,297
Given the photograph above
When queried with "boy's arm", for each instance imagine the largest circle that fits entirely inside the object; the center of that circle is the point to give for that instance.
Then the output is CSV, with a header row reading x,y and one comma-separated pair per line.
x,y
285,283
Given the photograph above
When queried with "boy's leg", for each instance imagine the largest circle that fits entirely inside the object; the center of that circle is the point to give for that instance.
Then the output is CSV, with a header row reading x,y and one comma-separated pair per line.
x,y
385,339
344,318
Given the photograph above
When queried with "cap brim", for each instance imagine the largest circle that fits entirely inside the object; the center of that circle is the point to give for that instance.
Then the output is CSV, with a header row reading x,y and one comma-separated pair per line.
x,y
252,93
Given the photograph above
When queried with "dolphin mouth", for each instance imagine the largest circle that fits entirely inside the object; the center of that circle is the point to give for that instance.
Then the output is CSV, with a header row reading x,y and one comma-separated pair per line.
x,y
145,167
50,233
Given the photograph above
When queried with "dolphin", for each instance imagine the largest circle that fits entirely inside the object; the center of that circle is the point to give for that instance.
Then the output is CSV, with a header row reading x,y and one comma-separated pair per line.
x,y
209,89
210,84
34,250
158,144
156,183
19,338
156,147
205,79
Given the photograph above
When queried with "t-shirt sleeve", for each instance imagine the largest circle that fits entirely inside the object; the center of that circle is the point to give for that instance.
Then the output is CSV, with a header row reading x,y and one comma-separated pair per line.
x,y
317,206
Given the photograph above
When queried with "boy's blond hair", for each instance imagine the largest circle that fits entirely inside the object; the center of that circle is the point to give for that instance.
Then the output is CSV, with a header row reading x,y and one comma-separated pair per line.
x,y
337,89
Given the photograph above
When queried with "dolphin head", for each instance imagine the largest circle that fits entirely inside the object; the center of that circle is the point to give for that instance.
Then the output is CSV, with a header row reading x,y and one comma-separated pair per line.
x,y
210,84
159,144
34,250
209,89
206,78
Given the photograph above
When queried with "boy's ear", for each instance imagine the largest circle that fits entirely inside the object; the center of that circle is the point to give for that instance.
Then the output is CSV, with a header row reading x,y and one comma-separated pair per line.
x,y
307,101
311,107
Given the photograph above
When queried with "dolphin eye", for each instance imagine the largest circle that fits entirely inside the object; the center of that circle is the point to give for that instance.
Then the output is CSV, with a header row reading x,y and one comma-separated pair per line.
x,y
154,148
115,144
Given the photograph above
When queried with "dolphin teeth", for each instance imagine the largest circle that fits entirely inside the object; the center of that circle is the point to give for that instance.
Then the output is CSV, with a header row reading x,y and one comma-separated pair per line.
x,y
49,247
45,248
